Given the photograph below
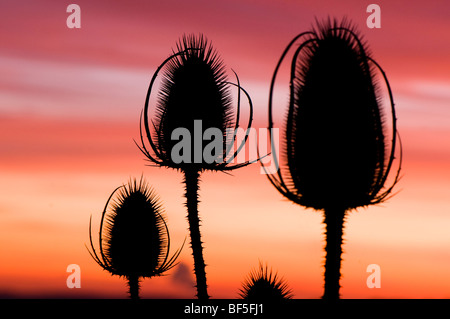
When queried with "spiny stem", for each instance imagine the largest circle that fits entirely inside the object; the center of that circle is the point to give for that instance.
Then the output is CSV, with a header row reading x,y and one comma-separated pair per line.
x,y
334,221
191,179
133,284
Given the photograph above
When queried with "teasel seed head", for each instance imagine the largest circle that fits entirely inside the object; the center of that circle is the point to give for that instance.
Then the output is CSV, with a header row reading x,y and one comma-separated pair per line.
x,y
264,285
134,239
194,87
335,137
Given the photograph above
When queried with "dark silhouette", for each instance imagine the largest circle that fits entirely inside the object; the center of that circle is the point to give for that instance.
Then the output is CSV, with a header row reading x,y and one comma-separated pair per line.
x,y
262,285
336,158
194,89
134,240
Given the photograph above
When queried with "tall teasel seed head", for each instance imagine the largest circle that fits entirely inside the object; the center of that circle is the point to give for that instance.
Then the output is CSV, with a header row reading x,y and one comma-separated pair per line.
x,y
134,239
335,134
264,285
194,89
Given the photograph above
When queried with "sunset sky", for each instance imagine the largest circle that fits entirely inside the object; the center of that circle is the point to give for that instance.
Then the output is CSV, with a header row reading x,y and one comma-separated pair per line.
x,y
70,101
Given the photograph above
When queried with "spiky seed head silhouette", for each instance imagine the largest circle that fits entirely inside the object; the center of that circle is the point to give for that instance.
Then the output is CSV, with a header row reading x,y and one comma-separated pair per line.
x,y
335,144
193,89
134,240
264,285
336,156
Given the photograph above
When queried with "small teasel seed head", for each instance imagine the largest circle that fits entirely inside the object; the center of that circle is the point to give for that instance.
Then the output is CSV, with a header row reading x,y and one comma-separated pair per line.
x,y
264,285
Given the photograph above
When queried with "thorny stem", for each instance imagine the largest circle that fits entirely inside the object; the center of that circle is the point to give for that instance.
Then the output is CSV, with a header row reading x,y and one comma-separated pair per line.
x,y
192,186
334,221
133,284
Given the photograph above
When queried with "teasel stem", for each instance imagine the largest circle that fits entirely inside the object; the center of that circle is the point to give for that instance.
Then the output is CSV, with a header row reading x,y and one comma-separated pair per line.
x,y
134,286
191,179
194,87
334,222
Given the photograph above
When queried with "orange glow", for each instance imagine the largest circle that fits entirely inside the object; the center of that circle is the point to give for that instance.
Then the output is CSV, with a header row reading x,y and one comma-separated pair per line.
x,y
70,102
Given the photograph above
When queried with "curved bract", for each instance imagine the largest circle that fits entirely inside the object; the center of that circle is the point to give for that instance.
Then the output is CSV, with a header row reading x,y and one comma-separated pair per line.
x,y
133,237
335,149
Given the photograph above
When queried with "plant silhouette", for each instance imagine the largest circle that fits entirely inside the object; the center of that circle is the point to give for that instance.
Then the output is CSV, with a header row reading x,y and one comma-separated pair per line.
x,y
134,240
262,285
336,157
194,89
